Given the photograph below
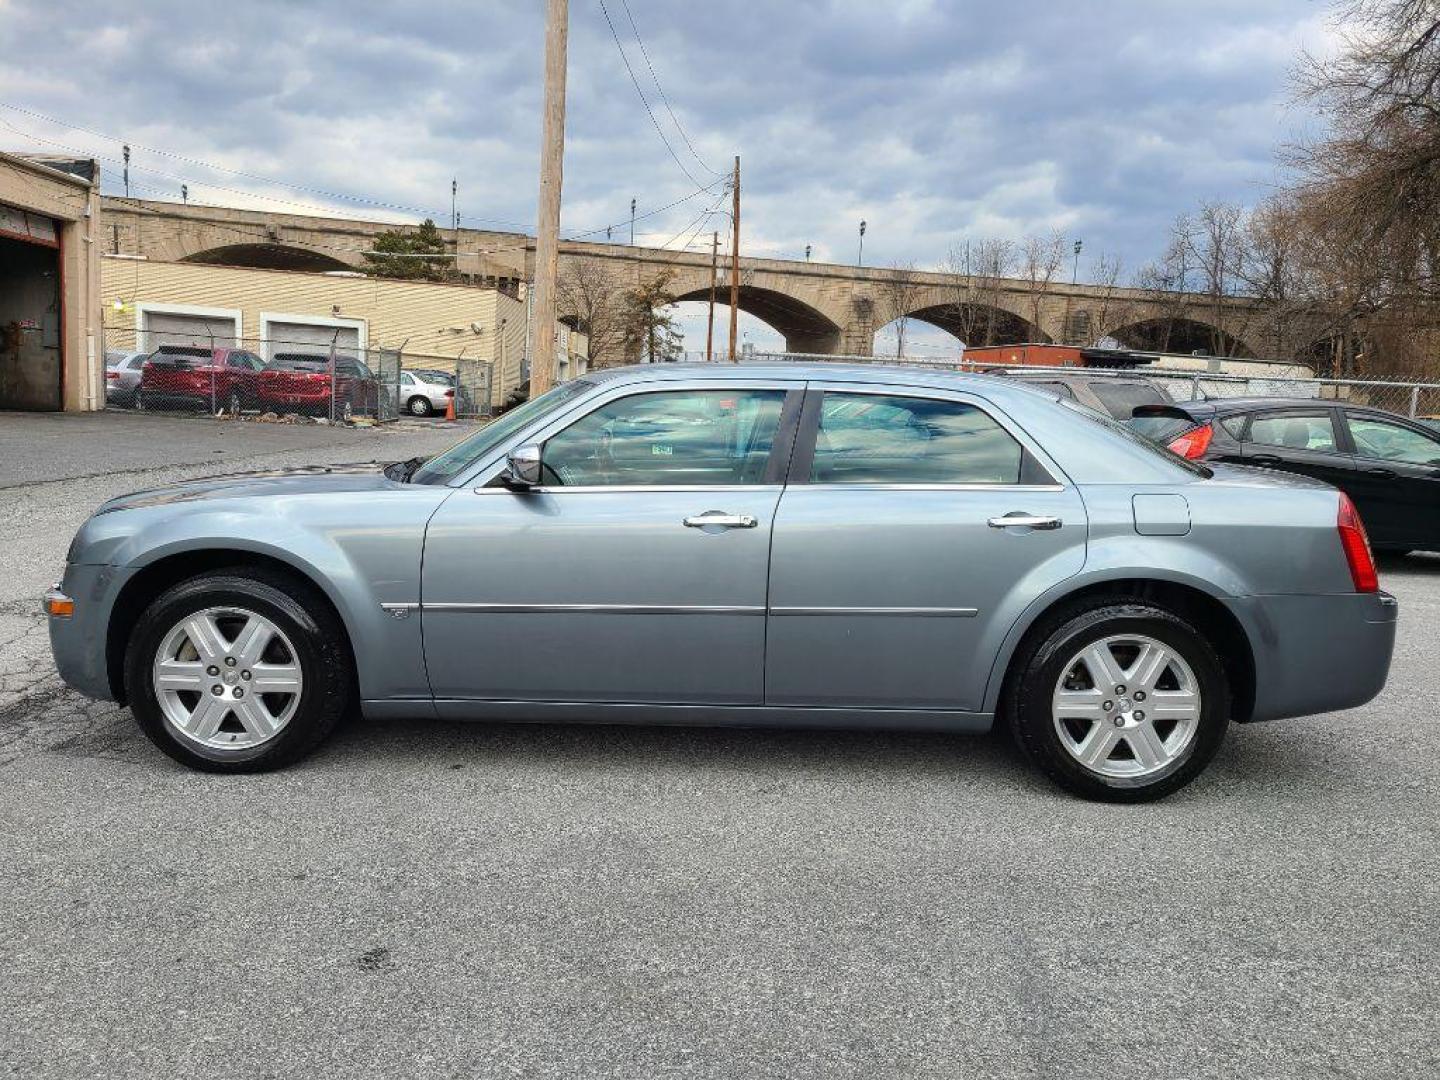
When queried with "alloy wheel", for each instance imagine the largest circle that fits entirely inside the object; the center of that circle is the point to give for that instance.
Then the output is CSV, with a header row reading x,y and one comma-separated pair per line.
x,y
1126,706
227,678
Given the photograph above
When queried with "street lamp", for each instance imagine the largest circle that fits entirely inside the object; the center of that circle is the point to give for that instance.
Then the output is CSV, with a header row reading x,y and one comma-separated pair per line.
x,y
860,258
1075,269
807,252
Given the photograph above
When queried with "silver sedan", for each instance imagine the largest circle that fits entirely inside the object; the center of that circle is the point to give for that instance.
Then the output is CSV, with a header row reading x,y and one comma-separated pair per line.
x,y
815,545
423,397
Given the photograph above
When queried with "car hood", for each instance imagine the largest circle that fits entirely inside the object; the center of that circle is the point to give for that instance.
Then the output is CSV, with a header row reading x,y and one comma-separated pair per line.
x,y
307,480
1254,476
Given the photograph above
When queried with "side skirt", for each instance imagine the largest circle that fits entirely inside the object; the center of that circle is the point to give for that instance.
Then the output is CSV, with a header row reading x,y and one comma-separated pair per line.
x,y
563,712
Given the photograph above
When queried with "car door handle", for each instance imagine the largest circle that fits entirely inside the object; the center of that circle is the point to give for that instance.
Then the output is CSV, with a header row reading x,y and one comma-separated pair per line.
x,y
721,520
1022,520
1264,459
1380,472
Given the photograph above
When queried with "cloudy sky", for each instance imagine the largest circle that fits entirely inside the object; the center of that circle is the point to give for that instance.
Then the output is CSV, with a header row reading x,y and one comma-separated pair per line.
x,y
934,121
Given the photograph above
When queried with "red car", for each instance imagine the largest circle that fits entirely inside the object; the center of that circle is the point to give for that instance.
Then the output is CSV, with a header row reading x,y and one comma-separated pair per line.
x,y
304,383
216,380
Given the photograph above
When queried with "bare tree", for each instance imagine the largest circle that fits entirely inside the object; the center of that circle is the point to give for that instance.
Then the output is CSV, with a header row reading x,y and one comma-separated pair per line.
x,y
898,292
1040,260
980,268
594,298
1109,310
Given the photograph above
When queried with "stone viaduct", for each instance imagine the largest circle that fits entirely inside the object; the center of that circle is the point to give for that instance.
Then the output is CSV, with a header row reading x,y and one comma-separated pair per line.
x,y
817,307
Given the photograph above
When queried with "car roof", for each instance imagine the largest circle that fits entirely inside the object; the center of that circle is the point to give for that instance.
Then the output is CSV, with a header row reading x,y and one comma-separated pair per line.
x,y
821,371
1052,375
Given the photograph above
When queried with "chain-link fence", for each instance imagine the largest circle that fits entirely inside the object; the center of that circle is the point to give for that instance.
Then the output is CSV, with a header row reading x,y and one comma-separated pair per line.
x,y
1413,399
196,373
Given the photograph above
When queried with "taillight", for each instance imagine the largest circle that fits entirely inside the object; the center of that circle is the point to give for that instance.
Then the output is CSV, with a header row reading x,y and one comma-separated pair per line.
x,y
1357,547
112,374
449,393
1193,443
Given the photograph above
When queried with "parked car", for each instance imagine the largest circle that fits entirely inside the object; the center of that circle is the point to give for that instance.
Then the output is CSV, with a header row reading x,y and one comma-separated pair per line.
x,y
1388,465
1115,393
303,382
216,380
823,546
422,397
122,376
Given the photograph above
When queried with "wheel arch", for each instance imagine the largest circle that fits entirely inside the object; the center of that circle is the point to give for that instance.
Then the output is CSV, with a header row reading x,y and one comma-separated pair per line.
x,y
173,567
1185,597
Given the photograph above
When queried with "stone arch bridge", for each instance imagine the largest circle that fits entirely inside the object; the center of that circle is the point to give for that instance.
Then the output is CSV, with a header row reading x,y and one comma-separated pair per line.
x,y
822,308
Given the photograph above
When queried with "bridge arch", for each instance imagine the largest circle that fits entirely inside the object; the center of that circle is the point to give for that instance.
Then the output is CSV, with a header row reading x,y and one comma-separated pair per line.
x,y
1174,334
267,256
978,325
806,329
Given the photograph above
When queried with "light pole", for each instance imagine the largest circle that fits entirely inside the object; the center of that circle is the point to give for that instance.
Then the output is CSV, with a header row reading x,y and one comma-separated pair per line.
x,y
860,258
807,252
125,153
1075,269
632,222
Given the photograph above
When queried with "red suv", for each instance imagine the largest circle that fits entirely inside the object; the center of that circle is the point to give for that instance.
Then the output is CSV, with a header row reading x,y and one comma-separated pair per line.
x,y
217,380
304,383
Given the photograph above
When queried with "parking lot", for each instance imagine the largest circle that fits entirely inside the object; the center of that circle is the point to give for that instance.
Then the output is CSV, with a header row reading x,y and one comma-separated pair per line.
x,y
432,899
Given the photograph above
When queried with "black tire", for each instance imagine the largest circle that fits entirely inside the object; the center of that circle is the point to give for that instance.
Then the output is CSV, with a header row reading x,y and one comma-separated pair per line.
x,y
419,406
304,616
1046,654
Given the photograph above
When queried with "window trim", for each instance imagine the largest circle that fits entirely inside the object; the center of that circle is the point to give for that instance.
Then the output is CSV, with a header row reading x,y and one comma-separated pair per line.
x,y
781,448
802,457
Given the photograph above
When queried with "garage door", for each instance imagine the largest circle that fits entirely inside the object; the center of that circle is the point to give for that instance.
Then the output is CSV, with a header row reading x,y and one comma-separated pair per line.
x,y
307,337
204,331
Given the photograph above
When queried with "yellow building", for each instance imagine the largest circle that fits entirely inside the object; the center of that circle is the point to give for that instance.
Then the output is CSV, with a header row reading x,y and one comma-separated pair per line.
x,y
49,284
148,304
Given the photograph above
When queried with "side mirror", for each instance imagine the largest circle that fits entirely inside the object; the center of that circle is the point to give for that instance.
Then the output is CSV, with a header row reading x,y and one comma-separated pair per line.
x,y
522,468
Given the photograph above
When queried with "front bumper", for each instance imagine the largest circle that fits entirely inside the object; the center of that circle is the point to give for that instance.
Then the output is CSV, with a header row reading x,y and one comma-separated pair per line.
x,y
79,641
1317,653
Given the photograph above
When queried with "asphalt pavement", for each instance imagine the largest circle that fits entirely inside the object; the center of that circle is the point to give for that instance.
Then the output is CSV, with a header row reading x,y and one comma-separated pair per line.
x,y
448,900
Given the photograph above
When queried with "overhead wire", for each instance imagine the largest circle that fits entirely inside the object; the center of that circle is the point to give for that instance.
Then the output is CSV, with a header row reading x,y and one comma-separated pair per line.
x,y
661,90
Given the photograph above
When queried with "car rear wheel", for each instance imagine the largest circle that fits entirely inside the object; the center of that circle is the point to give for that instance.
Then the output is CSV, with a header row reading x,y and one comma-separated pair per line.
x,y
419,406
238,671
1119,701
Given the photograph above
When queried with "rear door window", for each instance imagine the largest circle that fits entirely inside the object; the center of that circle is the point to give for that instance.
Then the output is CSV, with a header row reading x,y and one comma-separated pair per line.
x,y
1121,396
1294,431
885,439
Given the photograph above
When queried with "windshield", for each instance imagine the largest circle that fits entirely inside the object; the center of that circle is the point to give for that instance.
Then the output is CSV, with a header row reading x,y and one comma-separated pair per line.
x,y
1132,436
445,467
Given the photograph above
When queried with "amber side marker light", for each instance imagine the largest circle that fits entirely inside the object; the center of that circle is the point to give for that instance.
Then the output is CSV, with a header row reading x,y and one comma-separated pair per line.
x,y
57,605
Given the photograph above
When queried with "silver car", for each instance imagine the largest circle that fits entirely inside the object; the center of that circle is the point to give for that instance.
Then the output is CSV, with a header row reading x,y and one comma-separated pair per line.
x,y
819,545
423,397
122,377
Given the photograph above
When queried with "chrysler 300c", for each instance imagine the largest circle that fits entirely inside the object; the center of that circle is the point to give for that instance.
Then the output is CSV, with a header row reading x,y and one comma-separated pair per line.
x,y
813,545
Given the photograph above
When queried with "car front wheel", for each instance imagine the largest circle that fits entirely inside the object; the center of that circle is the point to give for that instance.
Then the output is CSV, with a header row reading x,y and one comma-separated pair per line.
x,y
1119,701
419,406
239,670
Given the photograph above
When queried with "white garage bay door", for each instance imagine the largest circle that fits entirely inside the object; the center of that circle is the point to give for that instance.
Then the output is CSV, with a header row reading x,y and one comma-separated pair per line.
x,y
310,338
205,331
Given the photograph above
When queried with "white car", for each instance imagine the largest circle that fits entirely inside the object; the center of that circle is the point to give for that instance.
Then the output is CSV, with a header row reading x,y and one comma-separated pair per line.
x,y
419,397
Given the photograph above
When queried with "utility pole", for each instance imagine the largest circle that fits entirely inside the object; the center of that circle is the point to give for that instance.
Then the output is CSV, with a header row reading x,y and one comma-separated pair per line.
x,y
552,165
714,274
735,269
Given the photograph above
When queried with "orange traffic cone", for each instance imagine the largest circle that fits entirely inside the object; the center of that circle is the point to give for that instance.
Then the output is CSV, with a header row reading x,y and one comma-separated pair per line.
x,y
449,404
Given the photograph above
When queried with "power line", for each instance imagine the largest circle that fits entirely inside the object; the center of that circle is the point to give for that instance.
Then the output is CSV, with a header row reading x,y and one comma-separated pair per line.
x,y
643,100
674,119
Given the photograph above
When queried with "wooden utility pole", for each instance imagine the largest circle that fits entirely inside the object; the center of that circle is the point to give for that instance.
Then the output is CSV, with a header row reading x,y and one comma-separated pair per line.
x,y
552,165
735,269
714,274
